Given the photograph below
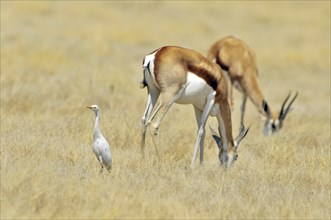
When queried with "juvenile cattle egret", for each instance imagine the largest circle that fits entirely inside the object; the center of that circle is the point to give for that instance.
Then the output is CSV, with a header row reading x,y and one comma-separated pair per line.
x,y
100,145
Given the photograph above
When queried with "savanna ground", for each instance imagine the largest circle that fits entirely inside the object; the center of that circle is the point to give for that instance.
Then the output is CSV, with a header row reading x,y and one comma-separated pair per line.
x,y
58,57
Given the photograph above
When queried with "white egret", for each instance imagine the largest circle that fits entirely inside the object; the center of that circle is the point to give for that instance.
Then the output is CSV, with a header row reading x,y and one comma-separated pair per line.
x,y
100,145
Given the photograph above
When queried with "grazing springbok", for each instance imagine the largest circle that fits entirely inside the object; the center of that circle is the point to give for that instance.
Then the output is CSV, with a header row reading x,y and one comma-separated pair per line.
x,y
184,76
239,63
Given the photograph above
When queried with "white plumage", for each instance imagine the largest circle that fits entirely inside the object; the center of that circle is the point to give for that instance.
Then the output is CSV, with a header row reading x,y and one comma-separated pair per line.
x,y
100,145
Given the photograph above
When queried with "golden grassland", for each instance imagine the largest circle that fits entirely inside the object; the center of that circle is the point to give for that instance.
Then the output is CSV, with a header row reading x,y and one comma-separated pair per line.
x,y
58,57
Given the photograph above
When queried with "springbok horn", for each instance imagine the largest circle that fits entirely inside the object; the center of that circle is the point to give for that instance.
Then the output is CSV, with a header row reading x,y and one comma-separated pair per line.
x,y
283,112
243,132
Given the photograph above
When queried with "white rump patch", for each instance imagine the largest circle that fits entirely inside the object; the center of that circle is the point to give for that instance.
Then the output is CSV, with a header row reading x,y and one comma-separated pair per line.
x,y
149,72
148,59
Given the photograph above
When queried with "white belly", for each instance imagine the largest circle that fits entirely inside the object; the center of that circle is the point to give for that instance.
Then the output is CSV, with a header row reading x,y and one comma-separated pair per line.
x,y
196,92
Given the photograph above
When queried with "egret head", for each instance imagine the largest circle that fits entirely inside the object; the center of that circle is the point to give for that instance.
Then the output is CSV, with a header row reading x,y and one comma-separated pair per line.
x,y
94,108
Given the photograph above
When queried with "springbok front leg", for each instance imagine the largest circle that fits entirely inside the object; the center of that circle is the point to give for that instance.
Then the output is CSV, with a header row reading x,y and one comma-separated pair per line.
x,y
225,129
202,120
243,108
198,116
230,89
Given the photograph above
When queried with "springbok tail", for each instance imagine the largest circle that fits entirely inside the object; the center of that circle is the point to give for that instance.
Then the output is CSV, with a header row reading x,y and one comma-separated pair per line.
x,y
146,65
143,83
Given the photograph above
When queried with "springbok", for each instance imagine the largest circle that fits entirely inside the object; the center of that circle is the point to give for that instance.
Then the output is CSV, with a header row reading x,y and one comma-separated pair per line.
x,y
239,63
184,76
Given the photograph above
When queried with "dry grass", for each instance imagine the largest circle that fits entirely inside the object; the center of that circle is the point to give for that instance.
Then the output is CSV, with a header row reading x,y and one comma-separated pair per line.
x,y
58,57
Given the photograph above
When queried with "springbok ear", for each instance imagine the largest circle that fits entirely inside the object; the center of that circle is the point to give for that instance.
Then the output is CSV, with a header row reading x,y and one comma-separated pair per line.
x,y
266,108
218,141
216,138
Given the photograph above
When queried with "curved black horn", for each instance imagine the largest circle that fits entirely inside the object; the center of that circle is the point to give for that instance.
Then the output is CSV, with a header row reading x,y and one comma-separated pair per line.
x,y
243,132
283,105
216,137
283,112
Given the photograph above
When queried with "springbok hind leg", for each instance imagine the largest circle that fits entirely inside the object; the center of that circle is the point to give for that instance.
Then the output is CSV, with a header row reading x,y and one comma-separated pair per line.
x,y
152,98
168,99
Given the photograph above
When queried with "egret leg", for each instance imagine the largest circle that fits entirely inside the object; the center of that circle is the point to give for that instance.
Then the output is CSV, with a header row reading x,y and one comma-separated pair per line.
x,y
100,160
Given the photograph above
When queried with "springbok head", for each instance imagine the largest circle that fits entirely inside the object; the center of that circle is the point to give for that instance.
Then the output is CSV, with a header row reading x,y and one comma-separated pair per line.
x,y
275,122
223,155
